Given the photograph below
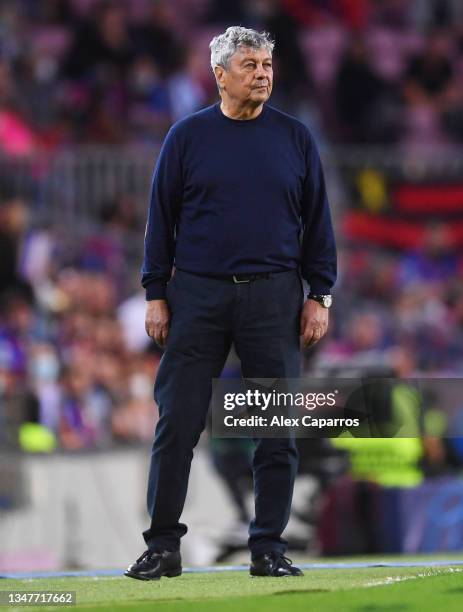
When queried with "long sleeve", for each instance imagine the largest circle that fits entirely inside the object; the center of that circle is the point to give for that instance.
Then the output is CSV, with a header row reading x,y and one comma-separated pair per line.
x,y
165,201
318,261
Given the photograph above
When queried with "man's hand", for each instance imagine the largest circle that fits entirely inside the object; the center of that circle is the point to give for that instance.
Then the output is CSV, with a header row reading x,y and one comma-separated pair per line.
x,y
314,322
157,321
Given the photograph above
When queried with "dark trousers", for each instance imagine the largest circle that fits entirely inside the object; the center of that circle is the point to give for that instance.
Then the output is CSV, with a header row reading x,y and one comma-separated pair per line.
x,y
261,318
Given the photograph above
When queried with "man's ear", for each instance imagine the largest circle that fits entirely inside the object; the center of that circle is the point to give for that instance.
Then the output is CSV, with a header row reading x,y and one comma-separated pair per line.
x,y
219,76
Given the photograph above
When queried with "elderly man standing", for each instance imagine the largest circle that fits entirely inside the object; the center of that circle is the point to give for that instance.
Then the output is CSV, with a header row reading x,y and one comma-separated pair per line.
x,y
238,204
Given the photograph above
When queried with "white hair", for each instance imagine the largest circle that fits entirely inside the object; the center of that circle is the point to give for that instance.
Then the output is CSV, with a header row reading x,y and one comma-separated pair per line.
x,y
225,45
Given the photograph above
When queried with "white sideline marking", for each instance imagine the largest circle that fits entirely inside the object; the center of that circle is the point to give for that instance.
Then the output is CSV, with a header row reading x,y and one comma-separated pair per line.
x,y
393,579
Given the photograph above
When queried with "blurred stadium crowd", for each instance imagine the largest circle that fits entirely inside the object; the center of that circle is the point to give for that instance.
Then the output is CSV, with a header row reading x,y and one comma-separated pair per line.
x,y
73,355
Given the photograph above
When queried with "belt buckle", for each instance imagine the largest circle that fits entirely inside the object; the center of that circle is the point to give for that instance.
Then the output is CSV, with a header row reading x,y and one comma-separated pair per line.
x,y
237,281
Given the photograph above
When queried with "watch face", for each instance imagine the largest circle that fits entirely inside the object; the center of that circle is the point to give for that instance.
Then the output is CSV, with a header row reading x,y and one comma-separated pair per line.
x,y
327,301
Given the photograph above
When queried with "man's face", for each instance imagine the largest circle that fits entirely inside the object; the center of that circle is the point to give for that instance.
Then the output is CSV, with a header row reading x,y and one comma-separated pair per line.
x,y
249,77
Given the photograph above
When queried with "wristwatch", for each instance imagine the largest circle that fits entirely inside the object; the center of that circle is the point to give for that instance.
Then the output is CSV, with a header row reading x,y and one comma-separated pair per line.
x,y
323,300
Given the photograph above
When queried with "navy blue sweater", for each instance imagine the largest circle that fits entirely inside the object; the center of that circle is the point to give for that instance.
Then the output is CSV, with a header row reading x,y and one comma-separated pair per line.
x,y
231,196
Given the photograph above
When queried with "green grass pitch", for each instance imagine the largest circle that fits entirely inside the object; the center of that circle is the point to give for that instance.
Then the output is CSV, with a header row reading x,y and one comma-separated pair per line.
x,y
381,589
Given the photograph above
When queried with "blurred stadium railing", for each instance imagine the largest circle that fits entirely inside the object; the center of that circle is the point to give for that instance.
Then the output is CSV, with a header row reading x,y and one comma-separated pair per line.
x,y
384,196
72,187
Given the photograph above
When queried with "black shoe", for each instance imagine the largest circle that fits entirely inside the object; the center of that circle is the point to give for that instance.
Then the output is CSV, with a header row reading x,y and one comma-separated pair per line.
x,y
273,564
152,565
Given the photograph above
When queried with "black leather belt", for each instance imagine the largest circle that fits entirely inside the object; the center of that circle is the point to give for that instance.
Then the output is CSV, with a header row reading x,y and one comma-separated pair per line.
x,y
247,278
237,278
240,278
244,277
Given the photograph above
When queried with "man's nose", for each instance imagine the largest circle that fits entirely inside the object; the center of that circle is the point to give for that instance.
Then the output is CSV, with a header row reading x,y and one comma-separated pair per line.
x,y
260,72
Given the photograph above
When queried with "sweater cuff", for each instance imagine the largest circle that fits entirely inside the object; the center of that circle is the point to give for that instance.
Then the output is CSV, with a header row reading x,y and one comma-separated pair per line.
x,y
156,290
318,286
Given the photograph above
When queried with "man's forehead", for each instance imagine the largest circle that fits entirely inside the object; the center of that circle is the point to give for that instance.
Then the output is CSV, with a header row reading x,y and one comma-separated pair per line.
x,y
244,52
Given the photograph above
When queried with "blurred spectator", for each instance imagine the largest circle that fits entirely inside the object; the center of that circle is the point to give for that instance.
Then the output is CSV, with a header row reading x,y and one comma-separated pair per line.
x,y
190,88
135,420
16,136
44,371
364,101
429,75
156,38
131,315
431,83
435,261
293,86
150,109
101,44
435,13
85,409
13,220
